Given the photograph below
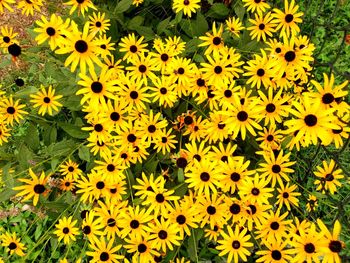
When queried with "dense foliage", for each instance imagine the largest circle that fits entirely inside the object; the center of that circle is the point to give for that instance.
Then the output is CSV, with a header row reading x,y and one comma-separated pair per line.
x,y
174,131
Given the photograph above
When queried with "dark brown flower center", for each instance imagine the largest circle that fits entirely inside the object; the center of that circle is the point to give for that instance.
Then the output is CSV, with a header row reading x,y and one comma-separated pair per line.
x,y
81,46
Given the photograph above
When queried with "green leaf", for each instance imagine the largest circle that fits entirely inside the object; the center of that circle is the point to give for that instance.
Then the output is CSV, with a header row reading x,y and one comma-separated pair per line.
x,y
192,248
61,148
163,25
180,175
200,25
6,177
32,137
239,10
122,6
135,22
218,10
181,190
49,134
147,32
54,163
84,153
24,155
73,130
6,194
187,27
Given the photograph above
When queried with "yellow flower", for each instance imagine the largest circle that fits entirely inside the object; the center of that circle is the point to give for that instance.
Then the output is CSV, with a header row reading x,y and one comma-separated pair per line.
x,y
46,100
187,6
12,244
33,188
65,230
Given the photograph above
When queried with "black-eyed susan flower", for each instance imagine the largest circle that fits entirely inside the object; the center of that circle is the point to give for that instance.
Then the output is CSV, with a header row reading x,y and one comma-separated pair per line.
x,y
142,69
274,106
273,228
33,187
67,184
234,171
28,7
234,25
104,251
287,196
262,26
213,42
162,57
211,209
158,200
311,122
4,133
96,87
6,4
312,203
134,221
46,100
184,216
110,211
307,245
328,177
255,189
134,93
132,47
163,92
7,37
66,230
254,214
82,49
11,110
175,45
92,227
328,93
256,6
82,6
151,125
219,70
52,30
98,23
149,184
270,138
332,245
287,21
204,177
260,70
106,46
242,118
276,251
234,242
12,243
164,234
166,141
94,186
70,169
276,167
187,6
142,248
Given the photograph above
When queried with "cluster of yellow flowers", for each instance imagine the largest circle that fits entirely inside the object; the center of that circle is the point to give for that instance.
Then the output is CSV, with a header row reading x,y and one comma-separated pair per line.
x,y
230,101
